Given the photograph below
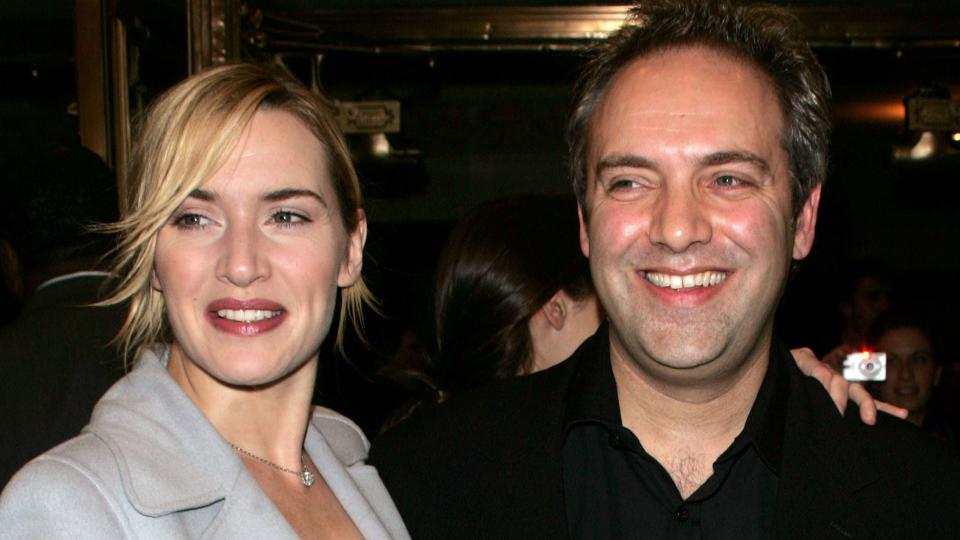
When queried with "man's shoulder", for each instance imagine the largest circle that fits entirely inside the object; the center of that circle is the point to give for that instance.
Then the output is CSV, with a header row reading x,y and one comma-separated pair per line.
x,y
890,480
905,450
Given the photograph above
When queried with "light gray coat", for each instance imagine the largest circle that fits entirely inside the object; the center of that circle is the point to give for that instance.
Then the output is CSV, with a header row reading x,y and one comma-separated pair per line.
x,y
150,465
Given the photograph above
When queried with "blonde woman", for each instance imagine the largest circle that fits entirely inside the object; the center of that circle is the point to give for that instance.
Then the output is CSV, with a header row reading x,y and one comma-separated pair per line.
x,y
243,226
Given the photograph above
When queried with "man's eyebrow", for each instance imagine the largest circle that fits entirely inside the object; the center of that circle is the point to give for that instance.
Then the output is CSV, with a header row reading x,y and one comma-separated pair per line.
x,y
734,156
292,193
623,160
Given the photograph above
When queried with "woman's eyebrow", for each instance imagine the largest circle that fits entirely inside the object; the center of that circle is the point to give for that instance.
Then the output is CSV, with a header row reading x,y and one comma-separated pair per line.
x,y
203,195
291,193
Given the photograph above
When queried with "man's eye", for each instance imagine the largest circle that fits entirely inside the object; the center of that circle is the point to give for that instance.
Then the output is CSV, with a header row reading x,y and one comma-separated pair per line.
x,y
191,221
920,359
623,183
728,181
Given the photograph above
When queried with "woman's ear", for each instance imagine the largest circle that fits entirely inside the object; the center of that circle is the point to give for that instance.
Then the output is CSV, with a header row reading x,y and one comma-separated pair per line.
x,y
557,309
353,263
155,281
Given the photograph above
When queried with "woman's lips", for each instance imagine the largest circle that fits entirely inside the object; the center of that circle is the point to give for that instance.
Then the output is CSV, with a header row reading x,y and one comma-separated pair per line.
x,y
245,317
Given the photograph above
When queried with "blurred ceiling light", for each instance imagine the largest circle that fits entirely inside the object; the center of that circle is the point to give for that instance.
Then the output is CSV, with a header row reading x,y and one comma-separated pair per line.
x,y
886,111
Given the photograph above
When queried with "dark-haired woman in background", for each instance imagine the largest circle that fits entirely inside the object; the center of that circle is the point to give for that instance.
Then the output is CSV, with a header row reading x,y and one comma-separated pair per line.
x,y
513,292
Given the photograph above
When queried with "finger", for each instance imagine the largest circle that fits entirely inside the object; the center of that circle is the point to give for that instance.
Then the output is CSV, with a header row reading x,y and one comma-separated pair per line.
x,y
806,360
838,389
899,412
868,406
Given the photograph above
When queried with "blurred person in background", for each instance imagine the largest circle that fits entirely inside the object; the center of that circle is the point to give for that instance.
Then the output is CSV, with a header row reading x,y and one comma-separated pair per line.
x,y
867,295
914,368
57,359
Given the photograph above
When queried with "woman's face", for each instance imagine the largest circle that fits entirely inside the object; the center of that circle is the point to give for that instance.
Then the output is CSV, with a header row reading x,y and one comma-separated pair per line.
x,y
250,263
911,369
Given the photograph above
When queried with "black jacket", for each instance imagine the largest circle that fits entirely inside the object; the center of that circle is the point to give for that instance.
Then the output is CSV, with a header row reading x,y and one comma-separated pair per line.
x,y
488,465
55,363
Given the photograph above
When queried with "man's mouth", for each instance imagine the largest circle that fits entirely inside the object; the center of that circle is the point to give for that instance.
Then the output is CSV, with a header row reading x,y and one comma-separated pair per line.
x,y
247,315
689,281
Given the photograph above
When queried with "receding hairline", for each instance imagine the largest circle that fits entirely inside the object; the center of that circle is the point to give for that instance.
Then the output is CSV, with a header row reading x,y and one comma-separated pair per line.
x,y
707,47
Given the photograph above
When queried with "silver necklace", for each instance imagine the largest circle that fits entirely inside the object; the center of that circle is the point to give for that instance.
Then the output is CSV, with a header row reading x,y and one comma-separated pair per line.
x,y
305,475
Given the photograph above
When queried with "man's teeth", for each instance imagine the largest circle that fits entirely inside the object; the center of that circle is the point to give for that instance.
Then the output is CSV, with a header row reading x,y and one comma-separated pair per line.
x,y
246,315
703,279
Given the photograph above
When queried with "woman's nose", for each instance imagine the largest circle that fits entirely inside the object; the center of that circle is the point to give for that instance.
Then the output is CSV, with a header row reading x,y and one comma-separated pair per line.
x,y
242,261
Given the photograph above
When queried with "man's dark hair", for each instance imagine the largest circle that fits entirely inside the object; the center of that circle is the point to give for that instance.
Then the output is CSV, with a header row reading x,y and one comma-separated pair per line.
x,y
767,37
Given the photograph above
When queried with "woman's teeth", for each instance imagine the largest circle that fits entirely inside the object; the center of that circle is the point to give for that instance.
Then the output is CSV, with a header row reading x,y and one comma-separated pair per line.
x,y
246,315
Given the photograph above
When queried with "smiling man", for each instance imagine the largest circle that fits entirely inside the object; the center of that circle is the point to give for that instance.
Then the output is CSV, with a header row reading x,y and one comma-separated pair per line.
x,y
698,148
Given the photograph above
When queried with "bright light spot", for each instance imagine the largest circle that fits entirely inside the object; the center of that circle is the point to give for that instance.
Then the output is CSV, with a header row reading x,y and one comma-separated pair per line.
x,y
925,147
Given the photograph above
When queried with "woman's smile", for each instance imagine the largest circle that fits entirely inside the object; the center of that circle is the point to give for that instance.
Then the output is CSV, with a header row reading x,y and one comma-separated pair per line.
x,y
245,317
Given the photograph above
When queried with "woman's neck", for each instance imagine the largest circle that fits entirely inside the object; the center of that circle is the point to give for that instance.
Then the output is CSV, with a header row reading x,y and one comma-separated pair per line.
x,y
269,421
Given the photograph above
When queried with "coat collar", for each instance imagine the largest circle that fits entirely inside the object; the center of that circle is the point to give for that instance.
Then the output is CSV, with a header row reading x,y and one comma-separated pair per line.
x,y
172,459
169,456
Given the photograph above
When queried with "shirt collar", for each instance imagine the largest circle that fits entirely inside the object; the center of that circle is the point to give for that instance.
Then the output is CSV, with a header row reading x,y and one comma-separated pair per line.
x,y
592,397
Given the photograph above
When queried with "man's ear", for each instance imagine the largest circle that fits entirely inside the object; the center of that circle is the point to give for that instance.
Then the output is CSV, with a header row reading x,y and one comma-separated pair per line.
x,y
353,263
584,236
556,310
806,225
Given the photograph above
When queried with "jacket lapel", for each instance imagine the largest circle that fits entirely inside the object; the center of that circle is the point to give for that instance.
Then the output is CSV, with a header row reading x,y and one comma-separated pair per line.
x,y
823,467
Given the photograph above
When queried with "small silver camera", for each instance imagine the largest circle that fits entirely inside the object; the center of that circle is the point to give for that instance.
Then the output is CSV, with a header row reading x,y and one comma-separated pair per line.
x,y
865,367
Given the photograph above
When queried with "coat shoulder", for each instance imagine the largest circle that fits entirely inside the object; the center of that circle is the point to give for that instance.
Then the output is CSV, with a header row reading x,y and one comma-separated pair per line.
x,y
71,491
345,438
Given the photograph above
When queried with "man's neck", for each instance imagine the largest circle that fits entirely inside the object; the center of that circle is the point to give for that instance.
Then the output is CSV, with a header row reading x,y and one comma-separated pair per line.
x,y
686,428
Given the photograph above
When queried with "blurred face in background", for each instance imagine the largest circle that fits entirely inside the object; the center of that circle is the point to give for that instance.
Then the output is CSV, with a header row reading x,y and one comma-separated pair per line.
x,y
870,300
912,370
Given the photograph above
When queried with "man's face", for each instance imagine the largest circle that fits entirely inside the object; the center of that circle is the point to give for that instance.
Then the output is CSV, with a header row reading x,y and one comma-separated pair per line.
x,y
690,229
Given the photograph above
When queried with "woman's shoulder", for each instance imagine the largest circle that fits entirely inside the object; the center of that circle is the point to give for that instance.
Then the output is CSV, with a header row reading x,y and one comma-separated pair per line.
x,y
71,487
82,457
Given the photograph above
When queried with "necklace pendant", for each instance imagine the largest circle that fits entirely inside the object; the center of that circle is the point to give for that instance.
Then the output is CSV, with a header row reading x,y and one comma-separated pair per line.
x,y
307,478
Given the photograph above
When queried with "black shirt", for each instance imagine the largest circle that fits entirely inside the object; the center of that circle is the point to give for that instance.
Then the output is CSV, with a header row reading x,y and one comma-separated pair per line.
x,y
614,489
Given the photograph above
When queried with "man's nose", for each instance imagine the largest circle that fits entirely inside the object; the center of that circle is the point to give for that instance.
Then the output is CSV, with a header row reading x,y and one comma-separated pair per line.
x,y
679,220
905,370
242,260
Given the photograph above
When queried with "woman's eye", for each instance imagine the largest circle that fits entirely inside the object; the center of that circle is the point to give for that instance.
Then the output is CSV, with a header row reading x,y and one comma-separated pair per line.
x,y
191,221
288,218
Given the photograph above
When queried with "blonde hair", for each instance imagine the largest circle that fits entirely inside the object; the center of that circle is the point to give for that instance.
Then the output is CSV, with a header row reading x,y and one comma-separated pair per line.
x,y
185,137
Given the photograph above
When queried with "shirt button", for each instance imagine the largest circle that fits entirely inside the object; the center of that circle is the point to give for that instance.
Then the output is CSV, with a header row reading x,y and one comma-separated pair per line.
x,y
683,514
616,442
